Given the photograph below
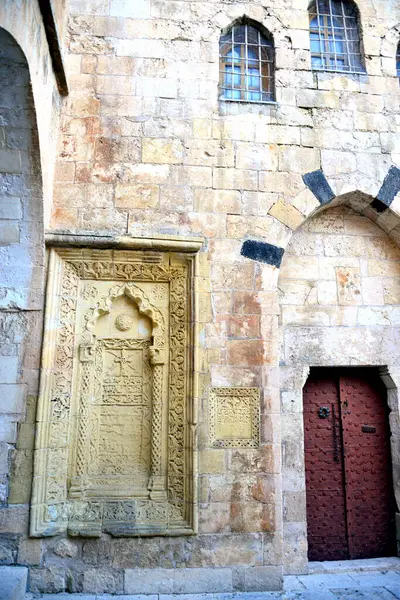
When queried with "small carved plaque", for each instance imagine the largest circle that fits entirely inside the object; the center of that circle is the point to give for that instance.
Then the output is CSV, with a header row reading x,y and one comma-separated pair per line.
x,y
235,417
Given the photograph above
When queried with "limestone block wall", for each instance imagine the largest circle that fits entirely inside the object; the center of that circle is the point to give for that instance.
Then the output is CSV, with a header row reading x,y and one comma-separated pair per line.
x,y
147,149
23,21
27,148
339,295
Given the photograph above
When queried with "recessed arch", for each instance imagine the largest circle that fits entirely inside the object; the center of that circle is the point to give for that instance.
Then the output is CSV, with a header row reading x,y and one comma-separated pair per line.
x,y
21,236
339,298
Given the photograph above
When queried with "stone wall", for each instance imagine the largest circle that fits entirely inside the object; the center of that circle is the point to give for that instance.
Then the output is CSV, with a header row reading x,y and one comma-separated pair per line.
x,y
27,141
339,287
147,149
22,20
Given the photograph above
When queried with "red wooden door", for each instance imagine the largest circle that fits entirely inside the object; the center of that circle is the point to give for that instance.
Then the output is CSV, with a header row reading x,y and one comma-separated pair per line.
x,y
350,500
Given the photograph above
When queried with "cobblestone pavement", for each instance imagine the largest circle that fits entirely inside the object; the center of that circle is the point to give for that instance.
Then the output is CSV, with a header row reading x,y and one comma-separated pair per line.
x,y
378,579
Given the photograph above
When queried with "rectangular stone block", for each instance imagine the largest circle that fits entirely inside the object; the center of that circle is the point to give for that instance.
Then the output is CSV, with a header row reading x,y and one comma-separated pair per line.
x,y
9,233
149,581
162,151
263,579
14,519
10,161
196,581
178,581
10,208
12,398
8,431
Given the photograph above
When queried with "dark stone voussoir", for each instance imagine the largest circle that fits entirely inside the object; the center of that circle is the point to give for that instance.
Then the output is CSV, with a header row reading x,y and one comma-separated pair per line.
x,y
318,184
262,252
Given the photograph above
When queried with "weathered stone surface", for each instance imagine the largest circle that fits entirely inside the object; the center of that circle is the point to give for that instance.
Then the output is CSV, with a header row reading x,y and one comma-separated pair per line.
x,y
13,582
180,581
66,549
29,552
50,580
138,435
147,148
103,581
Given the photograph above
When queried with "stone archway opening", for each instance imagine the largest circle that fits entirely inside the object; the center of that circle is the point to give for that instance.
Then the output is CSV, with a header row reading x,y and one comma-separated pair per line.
x,y
22,275
339,289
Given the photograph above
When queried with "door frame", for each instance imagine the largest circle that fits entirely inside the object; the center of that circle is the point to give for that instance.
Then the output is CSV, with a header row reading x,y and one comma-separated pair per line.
x,y
295,547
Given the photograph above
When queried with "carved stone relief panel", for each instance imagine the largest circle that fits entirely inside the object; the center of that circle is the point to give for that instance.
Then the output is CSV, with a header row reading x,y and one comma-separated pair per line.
x,y
234,417
113,449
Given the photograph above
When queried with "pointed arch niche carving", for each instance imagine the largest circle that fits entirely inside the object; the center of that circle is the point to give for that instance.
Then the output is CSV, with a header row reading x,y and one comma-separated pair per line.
x,y
113,445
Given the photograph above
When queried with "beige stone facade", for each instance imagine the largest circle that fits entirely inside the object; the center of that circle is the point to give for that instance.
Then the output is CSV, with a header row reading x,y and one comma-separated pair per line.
x,y
198,485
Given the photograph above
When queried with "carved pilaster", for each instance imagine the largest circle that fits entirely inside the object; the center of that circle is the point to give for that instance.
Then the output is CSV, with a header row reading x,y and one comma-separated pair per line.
x,y
157,478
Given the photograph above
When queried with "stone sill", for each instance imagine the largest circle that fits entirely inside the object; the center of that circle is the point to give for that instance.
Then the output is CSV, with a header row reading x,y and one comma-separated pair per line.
x,y
240,107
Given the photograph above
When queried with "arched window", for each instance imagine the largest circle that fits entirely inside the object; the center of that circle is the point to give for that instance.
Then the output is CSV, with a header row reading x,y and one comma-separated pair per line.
x,y
398,60
335,36
246,65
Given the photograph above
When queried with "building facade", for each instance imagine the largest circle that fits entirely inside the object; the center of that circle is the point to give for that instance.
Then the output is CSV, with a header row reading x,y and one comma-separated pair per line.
x,y
199,212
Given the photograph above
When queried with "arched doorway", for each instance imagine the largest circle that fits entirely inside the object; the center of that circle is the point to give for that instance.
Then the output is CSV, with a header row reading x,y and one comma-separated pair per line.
x,y
339,288
22,263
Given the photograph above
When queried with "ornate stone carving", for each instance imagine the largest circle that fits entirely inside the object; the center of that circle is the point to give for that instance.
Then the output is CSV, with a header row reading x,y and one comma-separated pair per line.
x,y
124,322
234,417
115,396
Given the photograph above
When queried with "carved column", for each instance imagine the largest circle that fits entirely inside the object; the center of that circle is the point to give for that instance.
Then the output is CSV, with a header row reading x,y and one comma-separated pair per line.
x,y
157,485
86,357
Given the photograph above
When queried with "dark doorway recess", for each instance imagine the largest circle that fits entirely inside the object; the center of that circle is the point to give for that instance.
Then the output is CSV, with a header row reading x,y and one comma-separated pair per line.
x,y
350,499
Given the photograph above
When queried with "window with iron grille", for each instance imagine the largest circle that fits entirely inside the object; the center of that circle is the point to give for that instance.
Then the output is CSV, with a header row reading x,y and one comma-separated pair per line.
x,y
398,60
246,65
335,36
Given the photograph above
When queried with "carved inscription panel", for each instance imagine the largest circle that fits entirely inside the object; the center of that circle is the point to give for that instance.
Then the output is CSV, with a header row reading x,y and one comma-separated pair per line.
x,y
234,417
112,452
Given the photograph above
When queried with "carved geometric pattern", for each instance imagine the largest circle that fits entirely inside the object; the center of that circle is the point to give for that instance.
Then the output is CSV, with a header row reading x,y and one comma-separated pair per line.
x,y
234,417
112,451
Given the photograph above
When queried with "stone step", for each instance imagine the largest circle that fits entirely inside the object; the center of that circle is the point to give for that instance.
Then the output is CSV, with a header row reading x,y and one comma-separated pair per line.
x,y
13,581
360,565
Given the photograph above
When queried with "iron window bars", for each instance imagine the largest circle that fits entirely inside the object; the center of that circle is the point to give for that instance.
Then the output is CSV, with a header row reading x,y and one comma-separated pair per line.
x,y
335,36
398,60
246,65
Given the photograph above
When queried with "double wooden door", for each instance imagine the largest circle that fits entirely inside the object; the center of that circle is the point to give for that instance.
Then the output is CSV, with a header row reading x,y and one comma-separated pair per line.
x,y
350,499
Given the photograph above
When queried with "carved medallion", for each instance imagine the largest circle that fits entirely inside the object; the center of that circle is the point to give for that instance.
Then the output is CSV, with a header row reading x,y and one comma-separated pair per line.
x,y
117,378
124,322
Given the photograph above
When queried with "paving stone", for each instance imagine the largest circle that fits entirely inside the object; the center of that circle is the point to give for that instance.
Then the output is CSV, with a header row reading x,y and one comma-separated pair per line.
x,y
292,582
367,594
309,595
125,597
393,589
375,579
312,582
64,597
